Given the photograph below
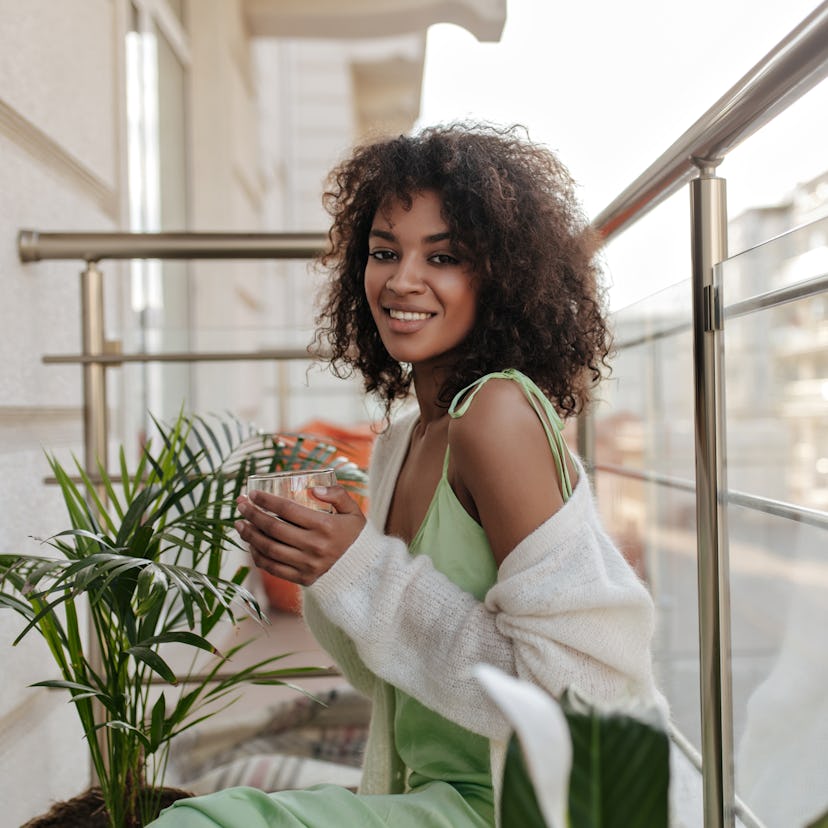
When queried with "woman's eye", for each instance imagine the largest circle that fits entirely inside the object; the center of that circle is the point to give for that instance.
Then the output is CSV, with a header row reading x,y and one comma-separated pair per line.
x,y
383,255
445,259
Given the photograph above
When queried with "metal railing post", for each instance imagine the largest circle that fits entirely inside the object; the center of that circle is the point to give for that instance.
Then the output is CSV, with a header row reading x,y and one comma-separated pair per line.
x,y
94,374
93,344
709,247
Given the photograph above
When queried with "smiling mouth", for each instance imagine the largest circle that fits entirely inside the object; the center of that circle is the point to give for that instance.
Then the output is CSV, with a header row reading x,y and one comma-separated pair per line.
x,y
408,316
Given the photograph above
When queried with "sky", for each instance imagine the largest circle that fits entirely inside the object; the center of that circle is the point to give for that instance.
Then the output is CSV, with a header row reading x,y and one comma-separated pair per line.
x,y
610,86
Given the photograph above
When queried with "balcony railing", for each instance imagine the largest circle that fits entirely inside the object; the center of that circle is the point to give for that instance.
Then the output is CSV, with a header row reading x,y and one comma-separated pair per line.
x,y
796,65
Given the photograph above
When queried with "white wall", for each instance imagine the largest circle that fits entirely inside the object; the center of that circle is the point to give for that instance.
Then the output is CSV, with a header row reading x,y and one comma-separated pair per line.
x,y
226,194
60,162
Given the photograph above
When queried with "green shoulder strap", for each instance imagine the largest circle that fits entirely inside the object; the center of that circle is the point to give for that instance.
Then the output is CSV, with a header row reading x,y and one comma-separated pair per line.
x,y
551,421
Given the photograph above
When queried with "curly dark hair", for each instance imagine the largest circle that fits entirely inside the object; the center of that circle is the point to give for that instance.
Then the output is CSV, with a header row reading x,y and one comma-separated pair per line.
x,y
510,207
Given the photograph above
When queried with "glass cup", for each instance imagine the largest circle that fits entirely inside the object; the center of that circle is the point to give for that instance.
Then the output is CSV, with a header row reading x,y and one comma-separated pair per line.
x,y
295,485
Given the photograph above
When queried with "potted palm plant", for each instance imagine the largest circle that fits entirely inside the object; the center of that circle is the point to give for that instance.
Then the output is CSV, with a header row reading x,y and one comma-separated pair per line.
x,y
143,560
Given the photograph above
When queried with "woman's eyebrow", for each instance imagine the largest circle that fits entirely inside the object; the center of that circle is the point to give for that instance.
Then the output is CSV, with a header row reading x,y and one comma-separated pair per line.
x,y
388,236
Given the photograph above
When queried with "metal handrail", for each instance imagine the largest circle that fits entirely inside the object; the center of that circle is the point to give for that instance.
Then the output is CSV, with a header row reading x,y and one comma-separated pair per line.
x,y
756,503
264,355
779,296
796,65
34,246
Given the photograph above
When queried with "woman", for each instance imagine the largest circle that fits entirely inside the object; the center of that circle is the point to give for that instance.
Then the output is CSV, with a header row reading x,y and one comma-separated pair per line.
x,y
463,270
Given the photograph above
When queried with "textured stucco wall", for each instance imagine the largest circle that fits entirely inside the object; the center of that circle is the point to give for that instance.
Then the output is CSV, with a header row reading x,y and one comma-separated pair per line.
x,y
60,170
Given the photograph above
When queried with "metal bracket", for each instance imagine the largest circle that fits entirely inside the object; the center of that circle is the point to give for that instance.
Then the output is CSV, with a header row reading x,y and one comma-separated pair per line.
x,y
712,309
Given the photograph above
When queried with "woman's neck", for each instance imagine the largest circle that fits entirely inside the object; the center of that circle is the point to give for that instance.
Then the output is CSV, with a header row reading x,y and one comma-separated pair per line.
x,y
427,386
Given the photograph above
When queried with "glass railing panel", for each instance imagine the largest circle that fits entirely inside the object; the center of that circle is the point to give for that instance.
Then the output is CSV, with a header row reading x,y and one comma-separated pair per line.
x,y
779,614
776,372
645,478
646,405
776,356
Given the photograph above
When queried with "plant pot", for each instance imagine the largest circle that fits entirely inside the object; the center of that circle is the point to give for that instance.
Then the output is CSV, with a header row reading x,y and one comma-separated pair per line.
x,y
87,810
282,595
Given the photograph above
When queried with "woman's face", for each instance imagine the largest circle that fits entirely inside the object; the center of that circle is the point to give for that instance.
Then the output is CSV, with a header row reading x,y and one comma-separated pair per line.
x,y
420,289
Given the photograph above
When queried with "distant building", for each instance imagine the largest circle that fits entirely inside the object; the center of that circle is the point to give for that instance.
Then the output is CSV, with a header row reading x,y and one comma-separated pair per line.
x,y
779,383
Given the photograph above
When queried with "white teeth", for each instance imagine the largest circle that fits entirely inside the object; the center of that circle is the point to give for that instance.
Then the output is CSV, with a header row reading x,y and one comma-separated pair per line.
x,y
407,316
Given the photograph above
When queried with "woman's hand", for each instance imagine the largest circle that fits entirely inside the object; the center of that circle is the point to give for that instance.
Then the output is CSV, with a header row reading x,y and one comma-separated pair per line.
x,y
297,543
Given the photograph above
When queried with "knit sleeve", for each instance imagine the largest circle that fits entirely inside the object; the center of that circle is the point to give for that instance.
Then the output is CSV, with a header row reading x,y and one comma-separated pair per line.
x,y
566,610
338,645
389,449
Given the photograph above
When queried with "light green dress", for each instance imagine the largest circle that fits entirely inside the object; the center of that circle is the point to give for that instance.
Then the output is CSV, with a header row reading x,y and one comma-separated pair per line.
x,y
449,781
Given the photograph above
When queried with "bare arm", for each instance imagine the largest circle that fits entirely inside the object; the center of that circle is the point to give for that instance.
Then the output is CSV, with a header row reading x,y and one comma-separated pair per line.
x,y
502,467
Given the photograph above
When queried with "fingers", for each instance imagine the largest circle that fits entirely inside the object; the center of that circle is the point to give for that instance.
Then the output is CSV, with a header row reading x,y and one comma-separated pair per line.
x,y
273,509
294,542
337,497
281,537
276,558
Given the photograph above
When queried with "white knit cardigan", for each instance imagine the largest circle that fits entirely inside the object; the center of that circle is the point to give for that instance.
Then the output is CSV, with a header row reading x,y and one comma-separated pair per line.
x,y
566,610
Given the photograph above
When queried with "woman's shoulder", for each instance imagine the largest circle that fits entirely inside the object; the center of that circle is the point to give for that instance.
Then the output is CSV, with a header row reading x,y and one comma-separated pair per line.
x,y
498,428
500,403
508,460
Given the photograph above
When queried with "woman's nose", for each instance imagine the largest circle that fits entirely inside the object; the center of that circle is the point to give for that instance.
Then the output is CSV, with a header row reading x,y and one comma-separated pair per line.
x,y
406,277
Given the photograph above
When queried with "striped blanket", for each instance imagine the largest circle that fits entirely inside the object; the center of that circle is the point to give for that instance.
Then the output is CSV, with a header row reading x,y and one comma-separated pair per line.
x,y
295,744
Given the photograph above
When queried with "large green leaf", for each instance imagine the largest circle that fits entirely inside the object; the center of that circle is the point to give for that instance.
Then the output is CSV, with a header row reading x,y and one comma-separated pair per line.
x,y
821,822
619,776
518,803
620,769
